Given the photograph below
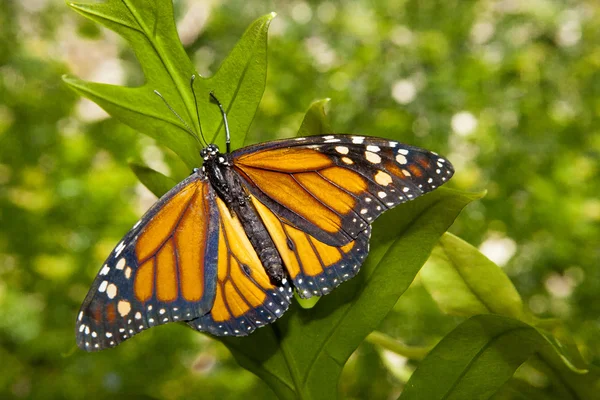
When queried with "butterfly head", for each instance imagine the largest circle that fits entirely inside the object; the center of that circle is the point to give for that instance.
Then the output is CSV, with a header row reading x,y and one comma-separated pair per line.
x,y
209,152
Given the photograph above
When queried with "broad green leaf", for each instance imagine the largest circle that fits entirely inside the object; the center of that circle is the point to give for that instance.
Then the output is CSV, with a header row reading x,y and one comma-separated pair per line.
x,y
156,182
465,282
303,353
149,27
474,360
315,121
480,356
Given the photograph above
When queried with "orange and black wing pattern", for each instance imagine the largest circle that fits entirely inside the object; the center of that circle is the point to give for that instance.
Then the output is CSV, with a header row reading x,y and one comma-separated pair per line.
x,y
163,270
314,267
246,298
332,187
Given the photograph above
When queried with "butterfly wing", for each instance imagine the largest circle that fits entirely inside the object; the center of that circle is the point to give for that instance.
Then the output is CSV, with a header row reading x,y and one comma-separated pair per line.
x,y
246,298
163,270
314,267
332,187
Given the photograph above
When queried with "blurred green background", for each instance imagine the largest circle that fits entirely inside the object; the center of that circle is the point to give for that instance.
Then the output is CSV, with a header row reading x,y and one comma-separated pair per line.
x,y
508,90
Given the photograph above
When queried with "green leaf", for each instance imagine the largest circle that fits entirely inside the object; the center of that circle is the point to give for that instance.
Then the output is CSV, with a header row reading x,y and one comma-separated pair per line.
x,y
315,120
156,182
474,360
303,353
149,27
479,357
465,282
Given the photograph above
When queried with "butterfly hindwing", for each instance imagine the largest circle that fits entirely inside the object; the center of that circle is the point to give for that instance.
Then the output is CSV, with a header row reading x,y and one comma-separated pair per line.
x,y
163,270
246,298
332,187
314,267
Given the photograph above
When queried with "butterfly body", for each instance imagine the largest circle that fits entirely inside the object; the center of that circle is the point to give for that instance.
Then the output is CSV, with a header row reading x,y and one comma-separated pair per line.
x,y
224,249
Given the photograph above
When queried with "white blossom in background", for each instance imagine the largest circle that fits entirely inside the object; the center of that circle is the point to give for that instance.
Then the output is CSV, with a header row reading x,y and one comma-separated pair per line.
x,y
569,31
482,31
301,13
498,249
321,52
463,123
401,36
560,286
404,91
326,12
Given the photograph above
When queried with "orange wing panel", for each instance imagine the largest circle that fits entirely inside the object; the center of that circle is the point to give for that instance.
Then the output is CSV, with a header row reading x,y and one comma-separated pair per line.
x,y
144,281
219,310
329,255
329,194
237,305
286,160
345,178
163,223
190,238
166,273
284,189
308,258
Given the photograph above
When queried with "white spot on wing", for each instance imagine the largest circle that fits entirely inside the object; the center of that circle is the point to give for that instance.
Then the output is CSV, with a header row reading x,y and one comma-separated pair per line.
x,y
111,291
105,270
121,263
341,149
103,286
401,159
357,139
403,151
372,148
383,178
372,157
381,195
124,307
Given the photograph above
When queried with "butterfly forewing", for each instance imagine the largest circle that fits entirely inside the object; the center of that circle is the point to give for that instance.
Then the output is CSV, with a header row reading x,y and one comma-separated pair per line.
x,y
163,270
333,187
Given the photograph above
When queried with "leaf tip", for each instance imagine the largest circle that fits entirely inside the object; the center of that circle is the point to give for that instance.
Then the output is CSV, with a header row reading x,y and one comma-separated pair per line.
x,y
272,14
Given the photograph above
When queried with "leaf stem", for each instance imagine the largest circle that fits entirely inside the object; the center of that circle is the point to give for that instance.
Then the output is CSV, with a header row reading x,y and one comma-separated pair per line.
x,y
395,346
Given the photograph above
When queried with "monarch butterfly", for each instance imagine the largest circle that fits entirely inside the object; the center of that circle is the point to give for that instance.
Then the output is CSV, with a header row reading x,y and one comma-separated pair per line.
x,y
225,248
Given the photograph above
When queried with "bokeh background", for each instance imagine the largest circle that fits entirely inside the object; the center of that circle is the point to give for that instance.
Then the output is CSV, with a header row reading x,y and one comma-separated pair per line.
x,y
509,90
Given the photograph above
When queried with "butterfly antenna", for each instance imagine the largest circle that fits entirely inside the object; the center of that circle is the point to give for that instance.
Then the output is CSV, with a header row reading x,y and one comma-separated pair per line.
x,y
197,111
187,127
227,136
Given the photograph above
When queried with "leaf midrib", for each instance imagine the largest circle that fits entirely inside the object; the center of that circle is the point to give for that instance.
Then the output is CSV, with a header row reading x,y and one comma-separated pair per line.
x,y
177,81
